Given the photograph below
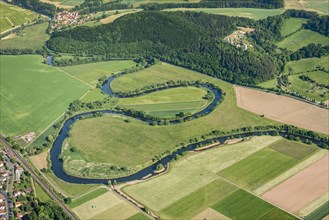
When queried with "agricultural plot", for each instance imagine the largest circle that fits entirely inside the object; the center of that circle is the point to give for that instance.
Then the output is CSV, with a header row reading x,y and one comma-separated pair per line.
x,y
169,102
105,206
13,16
304,65
320,6
253,13
301,39
117,14
192,189
301,189
89,196
66,4
24,109
91,72
32,37
139,216
319,213
283,109
292,25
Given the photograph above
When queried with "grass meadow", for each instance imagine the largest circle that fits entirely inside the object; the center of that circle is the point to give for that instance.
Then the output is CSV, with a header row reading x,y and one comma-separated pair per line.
x,y
91,72
33,95
292,25
13,16
87,197
168,103
32,37
253,13
264,165
301,39
305,65
40,193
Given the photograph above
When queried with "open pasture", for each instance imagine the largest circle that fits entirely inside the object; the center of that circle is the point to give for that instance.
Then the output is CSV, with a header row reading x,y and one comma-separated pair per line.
x,y
304,65
32,37
33,94
190,173
283,109
320,6
91,72
105,206
301,189
253,13
301,39
292,25
13,16
168,103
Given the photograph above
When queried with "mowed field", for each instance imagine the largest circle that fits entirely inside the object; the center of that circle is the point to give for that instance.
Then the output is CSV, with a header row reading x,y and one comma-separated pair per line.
x,y
320,6
33,95
253,13
32,37
115,140
168,103
13,16
102,204
91,72
283,109
291,25
301,39
193,187
299,190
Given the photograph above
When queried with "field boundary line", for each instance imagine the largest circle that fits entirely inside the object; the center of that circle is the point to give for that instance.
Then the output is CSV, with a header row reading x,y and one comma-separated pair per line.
x,y
89,191
63,71
12,24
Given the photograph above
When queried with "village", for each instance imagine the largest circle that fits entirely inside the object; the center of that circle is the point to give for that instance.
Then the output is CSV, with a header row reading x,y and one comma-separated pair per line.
x,y
15,187
66,19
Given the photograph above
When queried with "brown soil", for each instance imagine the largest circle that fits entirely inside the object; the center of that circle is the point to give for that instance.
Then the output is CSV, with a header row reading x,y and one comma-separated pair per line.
x,y
283,109
40,160
210,214
301,189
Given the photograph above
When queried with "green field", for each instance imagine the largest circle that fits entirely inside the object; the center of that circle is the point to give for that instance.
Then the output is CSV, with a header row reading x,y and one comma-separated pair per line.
x,y
91,72
320,6
309,89
13,16
319,77
32,37
292,25
269,84
139,216
243,205
301,39
304,65
41,194
168,103
319,213
259,168
253,13
33,94
193,172
117,140
87,197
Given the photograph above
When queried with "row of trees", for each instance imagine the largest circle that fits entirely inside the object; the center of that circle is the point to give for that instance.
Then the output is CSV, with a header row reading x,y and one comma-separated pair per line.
x,y
319,24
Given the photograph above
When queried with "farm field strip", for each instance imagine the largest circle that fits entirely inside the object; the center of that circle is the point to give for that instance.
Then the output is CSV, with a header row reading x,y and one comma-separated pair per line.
x,y
315,205
283,109
86,197
299,190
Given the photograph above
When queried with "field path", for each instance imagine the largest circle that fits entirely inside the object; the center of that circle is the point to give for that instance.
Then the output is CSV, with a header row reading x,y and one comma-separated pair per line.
x,y
283,109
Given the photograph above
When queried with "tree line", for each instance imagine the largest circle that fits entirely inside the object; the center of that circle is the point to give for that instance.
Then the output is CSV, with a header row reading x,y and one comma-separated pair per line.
x,y
37,6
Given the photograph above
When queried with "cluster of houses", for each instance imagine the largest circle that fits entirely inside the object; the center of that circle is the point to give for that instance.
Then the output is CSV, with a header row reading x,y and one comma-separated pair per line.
x,y
67,18
28,138
238,38
2,207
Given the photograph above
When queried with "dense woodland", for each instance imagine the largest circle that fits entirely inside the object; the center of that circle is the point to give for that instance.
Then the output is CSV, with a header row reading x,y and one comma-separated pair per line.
x,y
192,40
319,24
37,6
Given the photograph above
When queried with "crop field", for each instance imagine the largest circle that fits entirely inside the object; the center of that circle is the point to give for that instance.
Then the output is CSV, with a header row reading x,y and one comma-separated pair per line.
x,y
89,196
320,6
304,65
24,109
138,216
319,213
169,102
292,25
190,173
284,109
302,188
32,37
192,187
105,206
91,72
309,89
301,39
13,16
253,13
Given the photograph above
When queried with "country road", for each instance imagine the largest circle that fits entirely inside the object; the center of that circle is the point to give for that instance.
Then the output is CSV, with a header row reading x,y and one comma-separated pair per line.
x,y
35,176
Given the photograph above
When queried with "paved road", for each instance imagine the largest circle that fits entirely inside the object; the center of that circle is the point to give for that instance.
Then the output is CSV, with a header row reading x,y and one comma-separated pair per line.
x,y
35,176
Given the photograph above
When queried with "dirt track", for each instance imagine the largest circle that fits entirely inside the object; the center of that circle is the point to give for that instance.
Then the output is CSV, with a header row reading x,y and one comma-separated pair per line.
x,y
283,109
301,189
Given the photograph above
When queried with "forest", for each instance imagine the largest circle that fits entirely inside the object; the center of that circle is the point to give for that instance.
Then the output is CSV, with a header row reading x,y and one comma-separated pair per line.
x,y
192,40
37,6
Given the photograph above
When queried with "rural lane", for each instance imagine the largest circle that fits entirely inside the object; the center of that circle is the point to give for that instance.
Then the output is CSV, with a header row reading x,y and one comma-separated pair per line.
x,y
35,176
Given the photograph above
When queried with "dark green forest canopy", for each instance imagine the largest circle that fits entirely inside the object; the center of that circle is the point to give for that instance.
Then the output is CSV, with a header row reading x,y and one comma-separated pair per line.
x,y
192,40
